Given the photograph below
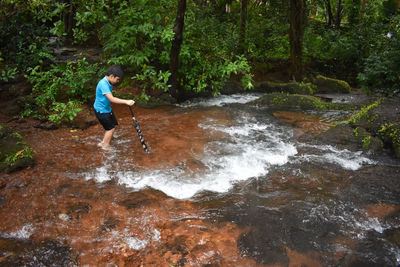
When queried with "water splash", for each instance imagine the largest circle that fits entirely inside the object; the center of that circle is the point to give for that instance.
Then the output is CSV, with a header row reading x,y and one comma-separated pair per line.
x,y
222,100
24,233
328,154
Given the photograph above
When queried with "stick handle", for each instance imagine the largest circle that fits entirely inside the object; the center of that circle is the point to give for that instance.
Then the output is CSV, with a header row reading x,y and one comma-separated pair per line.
x,y
130,108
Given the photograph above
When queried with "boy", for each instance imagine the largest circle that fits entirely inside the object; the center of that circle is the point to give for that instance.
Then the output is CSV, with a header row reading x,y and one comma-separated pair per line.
x,y
102,104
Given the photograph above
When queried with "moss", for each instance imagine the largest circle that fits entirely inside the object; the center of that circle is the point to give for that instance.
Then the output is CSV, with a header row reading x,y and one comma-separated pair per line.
x,y
366,142
15,153
330,85
365,113
291,88
390,134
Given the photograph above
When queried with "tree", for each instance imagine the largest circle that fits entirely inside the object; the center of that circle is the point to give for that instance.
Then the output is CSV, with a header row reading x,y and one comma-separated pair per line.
x,y
296,33
339,10
176,89
329,11
242,28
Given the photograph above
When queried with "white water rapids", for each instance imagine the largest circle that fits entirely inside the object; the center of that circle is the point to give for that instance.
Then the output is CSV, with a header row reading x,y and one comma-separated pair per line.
x,y
251,146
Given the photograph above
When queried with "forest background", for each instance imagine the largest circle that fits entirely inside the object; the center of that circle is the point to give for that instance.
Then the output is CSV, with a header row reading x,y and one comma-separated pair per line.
x,y
186,47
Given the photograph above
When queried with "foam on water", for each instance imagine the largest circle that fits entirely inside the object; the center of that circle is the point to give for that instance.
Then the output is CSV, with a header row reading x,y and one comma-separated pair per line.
x,y
328,154
24,233
221,100
354,222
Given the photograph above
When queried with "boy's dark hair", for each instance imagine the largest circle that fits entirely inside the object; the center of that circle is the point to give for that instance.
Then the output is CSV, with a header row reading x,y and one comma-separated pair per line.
x,y
115,70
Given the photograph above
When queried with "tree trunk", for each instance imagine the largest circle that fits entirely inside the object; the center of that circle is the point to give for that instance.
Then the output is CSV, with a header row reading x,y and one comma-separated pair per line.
x,y
363,6
176,89
242,28
296,33
329,11
339,14
69,21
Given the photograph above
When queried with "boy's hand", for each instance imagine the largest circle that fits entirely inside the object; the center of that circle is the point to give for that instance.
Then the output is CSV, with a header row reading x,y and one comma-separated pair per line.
x,y
130,102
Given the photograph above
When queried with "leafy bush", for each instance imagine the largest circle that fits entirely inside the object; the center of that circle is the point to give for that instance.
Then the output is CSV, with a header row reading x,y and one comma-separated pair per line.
x,y
381,68
24,41
70,83
64,112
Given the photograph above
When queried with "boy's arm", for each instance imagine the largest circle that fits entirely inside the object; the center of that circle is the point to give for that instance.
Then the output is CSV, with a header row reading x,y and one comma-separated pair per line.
x,y
117,100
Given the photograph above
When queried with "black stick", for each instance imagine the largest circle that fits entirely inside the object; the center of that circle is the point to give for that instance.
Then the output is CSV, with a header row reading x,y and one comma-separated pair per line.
x,y
137,126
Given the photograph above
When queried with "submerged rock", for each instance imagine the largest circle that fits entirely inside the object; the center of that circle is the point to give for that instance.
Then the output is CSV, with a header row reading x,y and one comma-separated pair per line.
x,y
28,253
15,154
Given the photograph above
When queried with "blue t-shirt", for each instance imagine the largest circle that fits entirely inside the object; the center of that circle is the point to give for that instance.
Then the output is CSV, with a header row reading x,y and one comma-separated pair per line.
x,y
102,104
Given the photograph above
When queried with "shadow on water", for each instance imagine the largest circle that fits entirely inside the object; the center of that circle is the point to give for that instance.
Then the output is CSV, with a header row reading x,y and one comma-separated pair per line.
x,y
226,184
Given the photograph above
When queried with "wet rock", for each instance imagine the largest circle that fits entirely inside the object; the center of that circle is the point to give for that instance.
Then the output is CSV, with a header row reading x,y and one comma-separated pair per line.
x,y
84,119
381,119
76,210
46,125
393,235
76,191
231,87
304,102
367,141
329,85
140,199
2,200
291,88
28,253
109,224
15,154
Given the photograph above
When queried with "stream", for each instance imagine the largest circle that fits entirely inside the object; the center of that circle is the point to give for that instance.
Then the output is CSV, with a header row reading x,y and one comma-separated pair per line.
x,y
226,183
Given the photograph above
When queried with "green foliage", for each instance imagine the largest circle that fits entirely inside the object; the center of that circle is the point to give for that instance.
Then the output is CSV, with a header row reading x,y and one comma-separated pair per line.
x,y
364,112
381,68
150,78
7,74
25,153
79,77
138,35
69,83
64,111
140,39
267,32
24,33
141,33
14,152
366,142
90,16
207,65
391,131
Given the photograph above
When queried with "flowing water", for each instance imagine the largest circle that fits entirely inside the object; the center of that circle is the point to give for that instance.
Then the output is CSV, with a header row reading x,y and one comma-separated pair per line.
x,y
227,183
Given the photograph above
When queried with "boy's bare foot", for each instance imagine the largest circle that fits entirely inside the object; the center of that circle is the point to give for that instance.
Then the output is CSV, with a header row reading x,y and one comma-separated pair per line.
x,y
104,146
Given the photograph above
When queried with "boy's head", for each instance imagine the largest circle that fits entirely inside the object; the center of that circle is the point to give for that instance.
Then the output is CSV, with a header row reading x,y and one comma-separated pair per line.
x,y
114,74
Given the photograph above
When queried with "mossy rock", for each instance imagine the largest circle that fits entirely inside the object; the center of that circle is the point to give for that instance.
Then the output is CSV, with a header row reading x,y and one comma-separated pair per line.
x,y
15,154
368,142
291,88
305,102
381,119
330,85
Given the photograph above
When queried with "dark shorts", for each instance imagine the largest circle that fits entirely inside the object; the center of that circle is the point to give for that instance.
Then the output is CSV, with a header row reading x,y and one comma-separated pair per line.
x,y
108,120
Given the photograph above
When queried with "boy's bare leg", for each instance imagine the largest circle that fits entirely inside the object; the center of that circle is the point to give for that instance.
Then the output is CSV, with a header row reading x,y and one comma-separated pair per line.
x,y
107,138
